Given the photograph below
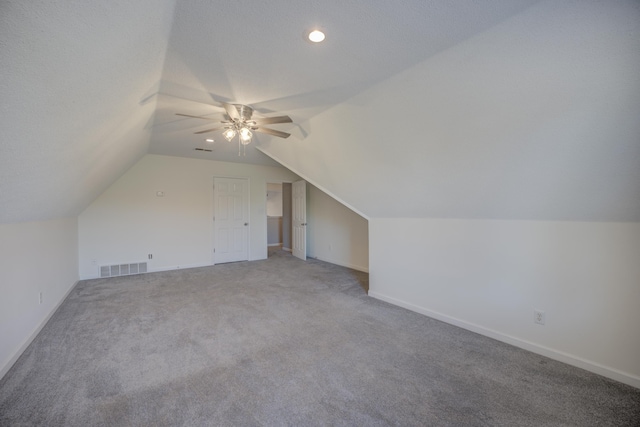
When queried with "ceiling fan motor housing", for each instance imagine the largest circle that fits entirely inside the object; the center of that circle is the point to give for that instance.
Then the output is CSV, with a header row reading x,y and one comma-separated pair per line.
x,y
244,111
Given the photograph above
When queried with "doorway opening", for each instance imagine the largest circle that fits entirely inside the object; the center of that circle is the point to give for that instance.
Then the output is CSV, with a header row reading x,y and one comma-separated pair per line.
x,y
278,218
289,232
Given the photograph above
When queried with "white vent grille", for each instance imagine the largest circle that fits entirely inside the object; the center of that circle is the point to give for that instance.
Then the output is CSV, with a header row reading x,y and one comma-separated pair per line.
x,y
123,269
104,271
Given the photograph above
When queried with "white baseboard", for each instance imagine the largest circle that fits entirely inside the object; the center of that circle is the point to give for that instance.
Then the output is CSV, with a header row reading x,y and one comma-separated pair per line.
x,y
180,267
274,244
27,342
286,249
342,264
560,356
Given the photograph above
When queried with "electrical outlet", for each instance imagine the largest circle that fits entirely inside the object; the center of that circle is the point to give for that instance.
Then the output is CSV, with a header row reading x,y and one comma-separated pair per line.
x,y
538,317
150,256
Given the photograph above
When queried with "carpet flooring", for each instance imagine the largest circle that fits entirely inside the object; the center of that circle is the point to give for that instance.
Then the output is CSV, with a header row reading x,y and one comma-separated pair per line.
x,y
288,343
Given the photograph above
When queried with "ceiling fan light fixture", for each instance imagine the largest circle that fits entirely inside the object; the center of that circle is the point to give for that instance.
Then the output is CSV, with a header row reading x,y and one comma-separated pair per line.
x,y
245,136
238,121
316,36
229,134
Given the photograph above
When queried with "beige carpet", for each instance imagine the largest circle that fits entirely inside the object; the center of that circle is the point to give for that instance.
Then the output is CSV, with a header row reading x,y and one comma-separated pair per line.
x,y
283,342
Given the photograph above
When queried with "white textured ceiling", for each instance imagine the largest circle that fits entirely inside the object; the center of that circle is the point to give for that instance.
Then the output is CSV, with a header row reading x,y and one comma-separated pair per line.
x,y
87,88
537,118
72,74
255,53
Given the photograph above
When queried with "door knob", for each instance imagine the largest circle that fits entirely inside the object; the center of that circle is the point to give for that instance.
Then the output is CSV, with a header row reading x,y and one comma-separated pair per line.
x,y
246,223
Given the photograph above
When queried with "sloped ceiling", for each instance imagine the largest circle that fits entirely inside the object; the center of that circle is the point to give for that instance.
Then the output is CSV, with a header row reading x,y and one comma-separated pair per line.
x,y
494,109
72,74
537,118
255,53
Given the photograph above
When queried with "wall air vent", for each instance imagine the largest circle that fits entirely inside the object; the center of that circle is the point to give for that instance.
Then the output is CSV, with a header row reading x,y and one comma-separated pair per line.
x,y
203,149
104,271
123,269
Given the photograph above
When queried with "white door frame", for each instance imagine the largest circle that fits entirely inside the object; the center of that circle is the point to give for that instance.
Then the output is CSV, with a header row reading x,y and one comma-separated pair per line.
x,y
299,219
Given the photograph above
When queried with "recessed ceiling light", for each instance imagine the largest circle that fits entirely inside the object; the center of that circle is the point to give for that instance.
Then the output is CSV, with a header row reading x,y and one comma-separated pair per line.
x,y
209,140
316,36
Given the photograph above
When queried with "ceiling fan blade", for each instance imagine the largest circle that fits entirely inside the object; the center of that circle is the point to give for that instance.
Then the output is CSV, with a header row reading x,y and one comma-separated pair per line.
x,y
272,132
210,130
231,111
197,117
272,120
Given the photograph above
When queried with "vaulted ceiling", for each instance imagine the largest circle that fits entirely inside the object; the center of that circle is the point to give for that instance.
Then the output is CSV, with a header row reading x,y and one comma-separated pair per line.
x,y
497,109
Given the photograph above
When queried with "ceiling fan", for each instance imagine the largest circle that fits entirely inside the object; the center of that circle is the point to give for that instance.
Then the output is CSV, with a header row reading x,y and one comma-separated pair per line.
x,y
238,121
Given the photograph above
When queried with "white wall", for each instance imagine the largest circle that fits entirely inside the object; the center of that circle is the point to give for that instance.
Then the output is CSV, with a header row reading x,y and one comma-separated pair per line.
x,y
128,221
34,257
335,233
489,276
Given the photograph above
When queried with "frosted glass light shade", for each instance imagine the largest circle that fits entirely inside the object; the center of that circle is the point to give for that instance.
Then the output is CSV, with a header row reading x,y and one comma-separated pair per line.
x,y
229,134
245,136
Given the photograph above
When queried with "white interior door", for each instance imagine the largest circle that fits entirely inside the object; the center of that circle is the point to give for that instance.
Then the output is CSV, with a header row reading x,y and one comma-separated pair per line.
x,y
299,220
231,220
